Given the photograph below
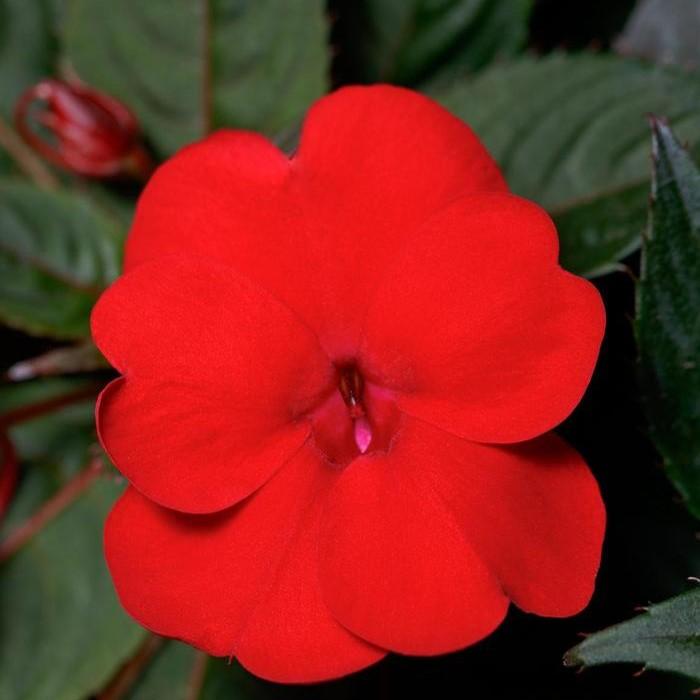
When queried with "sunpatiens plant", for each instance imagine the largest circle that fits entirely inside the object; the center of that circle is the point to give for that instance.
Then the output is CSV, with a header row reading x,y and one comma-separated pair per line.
x,y
339,371
349,349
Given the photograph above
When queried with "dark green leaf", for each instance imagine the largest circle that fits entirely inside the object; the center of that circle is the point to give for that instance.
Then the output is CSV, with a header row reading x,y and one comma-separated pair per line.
x,y
52,447
223,680
406,41
668,314
57,252
269,61
186,67
61,437
26,49
117,206
666,638
62,632
168,675
172,673
15,396
596,234
570,133
26,54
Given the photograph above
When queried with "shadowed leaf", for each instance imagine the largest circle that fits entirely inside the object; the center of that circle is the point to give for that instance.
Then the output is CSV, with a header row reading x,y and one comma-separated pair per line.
x,y
407,41
668,314
666,638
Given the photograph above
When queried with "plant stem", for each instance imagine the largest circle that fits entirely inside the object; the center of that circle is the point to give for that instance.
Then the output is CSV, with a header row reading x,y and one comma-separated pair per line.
x,y
131,671
25,413
49,510
26,160
84,357
196,680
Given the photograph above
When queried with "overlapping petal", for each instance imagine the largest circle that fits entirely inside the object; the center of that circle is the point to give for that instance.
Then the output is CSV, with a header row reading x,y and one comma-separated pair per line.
x,y
243,582
532,511
478,329
373,164
317,229
230,198
395,566
218,375
422,548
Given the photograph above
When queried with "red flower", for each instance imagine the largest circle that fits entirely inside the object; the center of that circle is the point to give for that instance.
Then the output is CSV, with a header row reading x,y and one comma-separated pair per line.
x,y
92,134
336,369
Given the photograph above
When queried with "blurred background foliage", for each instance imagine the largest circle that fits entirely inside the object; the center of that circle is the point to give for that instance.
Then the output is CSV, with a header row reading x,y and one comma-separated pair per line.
x,y
560,93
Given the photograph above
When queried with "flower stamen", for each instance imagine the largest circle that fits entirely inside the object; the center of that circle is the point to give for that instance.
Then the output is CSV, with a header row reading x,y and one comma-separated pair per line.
x,y
351,387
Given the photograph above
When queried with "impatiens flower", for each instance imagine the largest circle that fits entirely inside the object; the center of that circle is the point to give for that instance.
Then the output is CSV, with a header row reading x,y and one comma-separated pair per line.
x,y
339,374
81,129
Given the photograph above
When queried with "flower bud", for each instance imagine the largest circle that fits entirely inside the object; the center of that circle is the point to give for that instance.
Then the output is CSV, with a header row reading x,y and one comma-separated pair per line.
x,y
82,130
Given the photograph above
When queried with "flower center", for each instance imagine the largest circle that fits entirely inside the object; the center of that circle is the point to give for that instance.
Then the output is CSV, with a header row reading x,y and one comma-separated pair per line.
x,y
356,418
351,385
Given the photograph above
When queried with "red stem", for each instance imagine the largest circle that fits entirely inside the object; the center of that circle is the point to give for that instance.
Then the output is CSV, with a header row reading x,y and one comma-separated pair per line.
x,y
130,672
35,410
49,510
196,679
25,159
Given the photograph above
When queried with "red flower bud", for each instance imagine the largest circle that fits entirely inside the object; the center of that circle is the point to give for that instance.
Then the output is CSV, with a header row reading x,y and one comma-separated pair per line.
x,y
81,130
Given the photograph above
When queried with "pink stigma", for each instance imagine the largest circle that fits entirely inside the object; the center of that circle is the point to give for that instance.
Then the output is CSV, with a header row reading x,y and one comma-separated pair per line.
x,y
363,433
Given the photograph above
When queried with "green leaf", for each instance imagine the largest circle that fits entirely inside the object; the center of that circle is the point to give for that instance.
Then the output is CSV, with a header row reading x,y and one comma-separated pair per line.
x,y
168,675
668,314
269,61
595,235
173,671
187,67
406,41
570,133
57,252
26,55
60,439
224,680
26,49
62,632
176,673
52,447
18,395
666,638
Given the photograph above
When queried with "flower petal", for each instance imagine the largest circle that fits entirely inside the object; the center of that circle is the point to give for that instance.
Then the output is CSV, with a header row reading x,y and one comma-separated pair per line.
x,y
255,566
374,163
395,567
217,198
476,327
317,230
230,198
218,374
532,511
